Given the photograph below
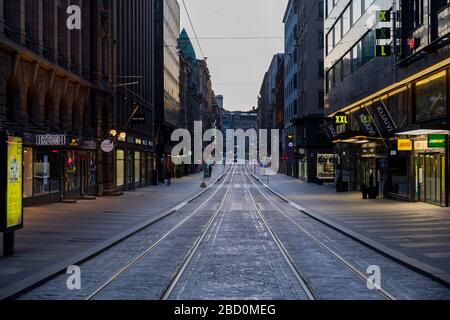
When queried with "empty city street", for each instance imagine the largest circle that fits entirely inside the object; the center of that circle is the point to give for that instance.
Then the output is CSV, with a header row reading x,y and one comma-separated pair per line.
x,y
240,241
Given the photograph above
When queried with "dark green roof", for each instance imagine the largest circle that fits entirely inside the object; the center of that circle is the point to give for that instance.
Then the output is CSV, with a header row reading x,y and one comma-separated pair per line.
x,y
185,45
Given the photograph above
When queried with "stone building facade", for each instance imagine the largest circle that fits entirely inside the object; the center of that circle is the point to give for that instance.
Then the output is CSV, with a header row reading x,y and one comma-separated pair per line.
x,y
55,93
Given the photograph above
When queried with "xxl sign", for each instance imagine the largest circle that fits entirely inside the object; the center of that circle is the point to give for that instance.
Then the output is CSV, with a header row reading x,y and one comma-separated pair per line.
x,y
11,183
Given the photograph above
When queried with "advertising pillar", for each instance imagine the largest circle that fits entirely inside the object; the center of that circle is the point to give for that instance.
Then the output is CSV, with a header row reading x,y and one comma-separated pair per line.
x,y
11,180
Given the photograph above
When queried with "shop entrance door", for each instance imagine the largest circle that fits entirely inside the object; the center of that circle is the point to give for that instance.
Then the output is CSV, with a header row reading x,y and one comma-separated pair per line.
x,y
430,178
72,168
88,173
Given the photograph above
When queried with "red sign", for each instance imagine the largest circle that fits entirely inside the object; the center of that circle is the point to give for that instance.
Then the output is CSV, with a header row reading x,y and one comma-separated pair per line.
x,y
413,43
284,157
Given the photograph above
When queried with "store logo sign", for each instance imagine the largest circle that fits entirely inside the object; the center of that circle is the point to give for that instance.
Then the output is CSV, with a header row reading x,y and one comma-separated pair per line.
x,y
404,145
50,140
436,141
340,118
107,146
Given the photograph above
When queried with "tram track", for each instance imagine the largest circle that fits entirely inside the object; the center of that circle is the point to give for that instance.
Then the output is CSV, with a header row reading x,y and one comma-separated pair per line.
x,y
150,249
361,276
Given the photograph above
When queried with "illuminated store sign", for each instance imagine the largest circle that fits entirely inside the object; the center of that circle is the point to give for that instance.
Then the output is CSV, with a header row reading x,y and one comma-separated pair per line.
x,y
436,141
11,198
50,140
405,145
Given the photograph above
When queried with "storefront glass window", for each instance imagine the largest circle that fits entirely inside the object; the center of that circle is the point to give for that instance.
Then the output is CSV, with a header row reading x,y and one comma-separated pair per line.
x,y
431,100
120,173
325,166
399,174
46,173
72,172
27,172
137,166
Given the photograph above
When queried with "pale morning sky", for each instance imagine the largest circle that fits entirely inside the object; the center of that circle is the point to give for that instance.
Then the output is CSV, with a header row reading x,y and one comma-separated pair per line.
x,y
237,66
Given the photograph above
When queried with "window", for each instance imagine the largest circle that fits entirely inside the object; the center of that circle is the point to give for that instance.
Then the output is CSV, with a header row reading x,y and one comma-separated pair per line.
x,y
356,10
330,79
418,12
321,39
321,69
347,65
330,6
27,172
120,170
338,72
295,107
330,41
337,32
431,97
137,167
321,10
346,21
321,96
368,47
325,166
356,57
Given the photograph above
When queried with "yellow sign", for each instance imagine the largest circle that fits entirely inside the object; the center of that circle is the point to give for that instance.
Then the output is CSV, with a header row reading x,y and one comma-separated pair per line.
x,y
405,145
14,183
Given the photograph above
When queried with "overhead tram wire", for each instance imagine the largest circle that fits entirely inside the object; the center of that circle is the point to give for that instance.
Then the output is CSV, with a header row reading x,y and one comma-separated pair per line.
x,y
193,29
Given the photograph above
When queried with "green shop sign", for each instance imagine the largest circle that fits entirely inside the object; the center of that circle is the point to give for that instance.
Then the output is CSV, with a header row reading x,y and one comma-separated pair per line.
x,y
436,141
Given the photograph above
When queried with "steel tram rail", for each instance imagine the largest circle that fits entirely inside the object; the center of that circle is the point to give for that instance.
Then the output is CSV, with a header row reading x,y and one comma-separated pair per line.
x,y
360,275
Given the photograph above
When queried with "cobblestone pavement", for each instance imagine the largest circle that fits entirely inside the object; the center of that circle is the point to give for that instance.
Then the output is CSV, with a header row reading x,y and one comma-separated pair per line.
x,y
237,258
60,232
416,232
329,275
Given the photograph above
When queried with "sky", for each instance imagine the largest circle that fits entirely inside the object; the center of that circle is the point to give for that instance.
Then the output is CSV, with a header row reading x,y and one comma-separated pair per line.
x,y
237,66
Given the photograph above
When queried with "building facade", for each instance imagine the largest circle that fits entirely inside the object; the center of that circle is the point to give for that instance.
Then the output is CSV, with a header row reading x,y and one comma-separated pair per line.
x,y
291,22
167,75
55,93
133,161
310,155
392,123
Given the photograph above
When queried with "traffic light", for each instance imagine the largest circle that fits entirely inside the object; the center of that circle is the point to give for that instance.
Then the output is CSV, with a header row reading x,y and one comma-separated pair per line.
x,y
291,143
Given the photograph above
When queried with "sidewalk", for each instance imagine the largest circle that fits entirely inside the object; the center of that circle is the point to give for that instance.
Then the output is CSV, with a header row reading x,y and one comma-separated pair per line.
x,y
58,233
416,233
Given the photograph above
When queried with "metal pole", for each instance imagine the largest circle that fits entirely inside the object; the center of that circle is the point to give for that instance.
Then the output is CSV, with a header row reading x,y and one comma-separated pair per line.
x,y
8,243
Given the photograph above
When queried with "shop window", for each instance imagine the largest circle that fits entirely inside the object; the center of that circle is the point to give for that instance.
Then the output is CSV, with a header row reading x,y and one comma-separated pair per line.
x,y
431,100
71,172
325,166
27,172
120,170
42,183
399,174
137,167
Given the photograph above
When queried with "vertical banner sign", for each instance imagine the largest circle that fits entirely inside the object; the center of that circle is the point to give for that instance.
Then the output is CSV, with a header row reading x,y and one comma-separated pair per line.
x,y
382,113
366,122
14,183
